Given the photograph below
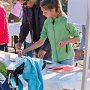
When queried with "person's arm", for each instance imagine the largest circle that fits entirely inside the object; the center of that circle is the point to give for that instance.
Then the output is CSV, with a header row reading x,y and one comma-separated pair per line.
x,y
25,27
70,40
46,45
24,30
36,45
74,35
39,43
45,48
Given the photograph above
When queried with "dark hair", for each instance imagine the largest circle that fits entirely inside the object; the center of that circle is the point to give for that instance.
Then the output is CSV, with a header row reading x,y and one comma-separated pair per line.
x,y
50,4
25,2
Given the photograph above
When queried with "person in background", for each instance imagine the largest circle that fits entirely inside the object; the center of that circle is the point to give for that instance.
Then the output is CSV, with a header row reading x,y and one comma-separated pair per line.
x,y
32,22
80,52
16,15
60,33
4,40
4,32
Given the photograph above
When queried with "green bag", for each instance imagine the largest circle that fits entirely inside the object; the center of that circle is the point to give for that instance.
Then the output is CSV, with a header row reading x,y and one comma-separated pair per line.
x,y
3,69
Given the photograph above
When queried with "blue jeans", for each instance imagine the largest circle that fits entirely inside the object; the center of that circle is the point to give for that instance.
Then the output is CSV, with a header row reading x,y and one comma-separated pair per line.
x,y
30,53
67,62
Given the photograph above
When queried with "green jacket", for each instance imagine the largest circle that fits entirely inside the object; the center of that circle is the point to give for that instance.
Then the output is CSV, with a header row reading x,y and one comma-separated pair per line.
x,y
60,30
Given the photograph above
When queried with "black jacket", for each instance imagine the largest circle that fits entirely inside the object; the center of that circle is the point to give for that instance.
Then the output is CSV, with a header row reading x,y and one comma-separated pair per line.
x,y
32,21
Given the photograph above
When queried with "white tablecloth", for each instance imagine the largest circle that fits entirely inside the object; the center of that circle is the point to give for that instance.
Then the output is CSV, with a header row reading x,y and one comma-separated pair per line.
x,y
10,65
59,81
4,58
56,81
14,29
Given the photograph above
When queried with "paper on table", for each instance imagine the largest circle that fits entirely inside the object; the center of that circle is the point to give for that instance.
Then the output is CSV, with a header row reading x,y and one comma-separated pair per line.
x,y
1,59
66,68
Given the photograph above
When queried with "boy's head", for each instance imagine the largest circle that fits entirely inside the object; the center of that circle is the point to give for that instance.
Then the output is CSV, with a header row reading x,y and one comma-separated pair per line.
x,y
51,8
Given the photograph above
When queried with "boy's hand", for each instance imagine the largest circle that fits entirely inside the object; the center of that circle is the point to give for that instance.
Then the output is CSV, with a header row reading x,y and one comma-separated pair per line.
x,y
21,53
62,43
41,54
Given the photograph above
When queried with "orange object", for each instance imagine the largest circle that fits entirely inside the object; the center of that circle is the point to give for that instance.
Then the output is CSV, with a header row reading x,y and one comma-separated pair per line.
x,y
64,68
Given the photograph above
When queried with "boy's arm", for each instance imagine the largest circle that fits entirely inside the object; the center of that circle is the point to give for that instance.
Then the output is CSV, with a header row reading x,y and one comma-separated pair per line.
x,y
36,45
46,45
73,40
44,49
74,35
70,40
